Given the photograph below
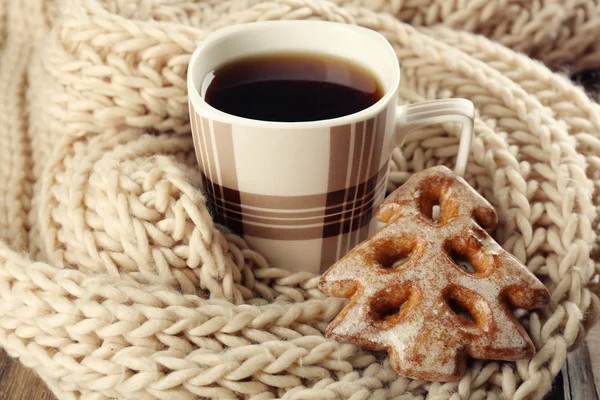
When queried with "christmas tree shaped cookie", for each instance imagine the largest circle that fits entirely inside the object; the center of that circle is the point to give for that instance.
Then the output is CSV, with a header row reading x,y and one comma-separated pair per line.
x,y
432,291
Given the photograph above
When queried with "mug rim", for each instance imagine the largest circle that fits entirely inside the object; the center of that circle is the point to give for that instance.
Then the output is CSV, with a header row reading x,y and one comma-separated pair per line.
x,y
211,112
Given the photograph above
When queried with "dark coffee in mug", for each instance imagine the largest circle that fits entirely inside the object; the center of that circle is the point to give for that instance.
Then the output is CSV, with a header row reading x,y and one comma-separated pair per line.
x,y
292,87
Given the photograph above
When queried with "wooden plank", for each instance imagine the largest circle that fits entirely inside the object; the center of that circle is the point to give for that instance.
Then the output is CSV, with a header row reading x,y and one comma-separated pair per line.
x,y
557,392
578,377
593,341
20,383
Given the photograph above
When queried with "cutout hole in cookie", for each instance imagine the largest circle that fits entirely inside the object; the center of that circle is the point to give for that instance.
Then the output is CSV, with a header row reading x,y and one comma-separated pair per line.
x,y
462,262
398,262
460,310
431,207
390,303
394,253
389,311
470,308
461,259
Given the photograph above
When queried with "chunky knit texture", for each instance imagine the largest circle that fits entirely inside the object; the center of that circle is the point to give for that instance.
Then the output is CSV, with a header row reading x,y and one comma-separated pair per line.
x,y
130,291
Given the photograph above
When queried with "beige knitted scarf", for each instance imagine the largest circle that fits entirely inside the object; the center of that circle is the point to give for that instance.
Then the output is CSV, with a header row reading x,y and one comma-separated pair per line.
x,y
114,281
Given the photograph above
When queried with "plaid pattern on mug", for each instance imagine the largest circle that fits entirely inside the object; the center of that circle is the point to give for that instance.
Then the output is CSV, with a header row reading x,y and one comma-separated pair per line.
x,y
258,187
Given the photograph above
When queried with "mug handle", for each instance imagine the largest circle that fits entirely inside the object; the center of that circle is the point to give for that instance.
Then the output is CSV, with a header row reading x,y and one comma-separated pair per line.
x,y
413,116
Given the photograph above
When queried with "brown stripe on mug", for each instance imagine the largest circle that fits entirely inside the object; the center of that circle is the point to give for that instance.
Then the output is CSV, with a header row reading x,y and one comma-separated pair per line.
x,y
194,129
201,158
294,233
339,163
339,155
282,209
230,202
360,208
209,169
363,213
245,218
379,137
291,214
364,176
283,202
304,206
358,150
197,147
291,232
286,203
374,172
210,156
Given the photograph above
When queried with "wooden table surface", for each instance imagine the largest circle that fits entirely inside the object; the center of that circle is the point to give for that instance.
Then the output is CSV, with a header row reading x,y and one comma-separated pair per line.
x,y
594,347
20,383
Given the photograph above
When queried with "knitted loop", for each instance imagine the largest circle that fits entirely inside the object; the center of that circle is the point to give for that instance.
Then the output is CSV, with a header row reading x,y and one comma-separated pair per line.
x,y
138,294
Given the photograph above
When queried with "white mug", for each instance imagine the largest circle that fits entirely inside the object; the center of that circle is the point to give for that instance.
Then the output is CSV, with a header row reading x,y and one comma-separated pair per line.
x,y
304,193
